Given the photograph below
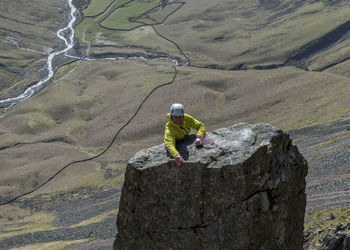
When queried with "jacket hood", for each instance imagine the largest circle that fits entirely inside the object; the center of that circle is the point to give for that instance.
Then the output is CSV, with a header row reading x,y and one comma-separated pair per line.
x,y
171,120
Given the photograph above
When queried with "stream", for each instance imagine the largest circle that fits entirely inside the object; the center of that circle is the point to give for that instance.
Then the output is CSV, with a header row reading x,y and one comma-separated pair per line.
x,y
69,42
67,35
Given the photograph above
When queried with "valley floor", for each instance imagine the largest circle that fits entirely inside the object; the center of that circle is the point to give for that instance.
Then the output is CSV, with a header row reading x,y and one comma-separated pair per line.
x,y
326,148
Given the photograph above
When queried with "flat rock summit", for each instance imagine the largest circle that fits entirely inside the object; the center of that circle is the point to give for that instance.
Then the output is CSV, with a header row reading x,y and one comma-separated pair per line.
x,y
245,191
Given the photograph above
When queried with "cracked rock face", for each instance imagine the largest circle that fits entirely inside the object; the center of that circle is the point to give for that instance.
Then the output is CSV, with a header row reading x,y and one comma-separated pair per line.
x,y
246,191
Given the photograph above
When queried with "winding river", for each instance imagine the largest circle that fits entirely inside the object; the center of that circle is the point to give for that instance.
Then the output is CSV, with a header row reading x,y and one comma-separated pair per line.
x,y
69,42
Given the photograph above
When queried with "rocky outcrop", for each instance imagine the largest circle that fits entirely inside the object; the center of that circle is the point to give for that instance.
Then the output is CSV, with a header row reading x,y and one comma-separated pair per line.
x,y
247,191
336,238
338,242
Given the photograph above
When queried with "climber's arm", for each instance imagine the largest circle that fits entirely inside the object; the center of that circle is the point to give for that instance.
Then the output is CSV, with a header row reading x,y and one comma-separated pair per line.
x,y
197,125
170,141
200,129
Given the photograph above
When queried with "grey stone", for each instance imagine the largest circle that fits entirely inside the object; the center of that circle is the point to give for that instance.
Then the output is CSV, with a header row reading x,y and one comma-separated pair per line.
x,y
346,243
340,227
327,239
332,216
336,242
247,191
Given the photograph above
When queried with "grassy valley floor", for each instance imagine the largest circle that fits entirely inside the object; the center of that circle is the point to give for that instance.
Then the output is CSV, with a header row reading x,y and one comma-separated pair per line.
x,y
60,131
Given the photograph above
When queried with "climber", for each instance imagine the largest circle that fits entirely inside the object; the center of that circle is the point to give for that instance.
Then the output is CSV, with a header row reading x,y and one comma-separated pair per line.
x,y
178,127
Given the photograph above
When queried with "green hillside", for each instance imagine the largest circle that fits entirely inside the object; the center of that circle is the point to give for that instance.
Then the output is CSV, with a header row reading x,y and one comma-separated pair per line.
x,y
27,34
238,61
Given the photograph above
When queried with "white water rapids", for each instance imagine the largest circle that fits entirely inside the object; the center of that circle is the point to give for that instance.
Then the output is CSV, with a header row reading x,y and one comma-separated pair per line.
x,y
29,92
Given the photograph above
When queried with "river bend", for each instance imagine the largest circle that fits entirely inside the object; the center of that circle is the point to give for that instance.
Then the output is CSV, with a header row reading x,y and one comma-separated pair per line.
x,y
69,42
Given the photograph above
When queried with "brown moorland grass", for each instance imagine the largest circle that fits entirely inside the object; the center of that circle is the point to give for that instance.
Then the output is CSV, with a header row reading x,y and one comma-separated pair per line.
x,y
245,32
27,26
341,69
77,116
18,86
82,112
74,119
335,54
95,7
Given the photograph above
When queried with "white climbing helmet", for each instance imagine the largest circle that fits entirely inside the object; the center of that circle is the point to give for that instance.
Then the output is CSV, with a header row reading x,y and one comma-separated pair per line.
x,y
177,109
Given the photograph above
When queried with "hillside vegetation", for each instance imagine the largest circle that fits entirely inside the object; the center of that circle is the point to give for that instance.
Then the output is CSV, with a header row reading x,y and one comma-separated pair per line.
x,y
27,35
236,64
255,33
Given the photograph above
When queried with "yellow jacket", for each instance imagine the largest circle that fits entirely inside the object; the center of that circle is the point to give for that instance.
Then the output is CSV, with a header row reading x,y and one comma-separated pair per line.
x,y
175,132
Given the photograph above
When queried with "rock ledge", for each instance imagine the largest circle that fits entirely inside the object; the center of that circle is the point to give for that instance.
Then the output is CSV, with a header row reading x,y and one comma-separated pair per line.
x,y
247,191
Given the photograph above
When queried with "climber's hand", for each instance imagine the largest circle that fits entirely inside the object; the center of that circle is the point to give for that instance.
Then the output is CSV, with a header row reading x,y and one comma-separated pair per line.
x,y
179,160
199,142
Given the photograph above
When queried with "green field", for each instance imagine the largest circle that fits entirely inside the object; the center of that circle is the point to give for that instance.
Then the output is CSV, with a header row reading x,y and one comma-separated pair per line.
x,y
96,7
157,15
94,31
123,17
